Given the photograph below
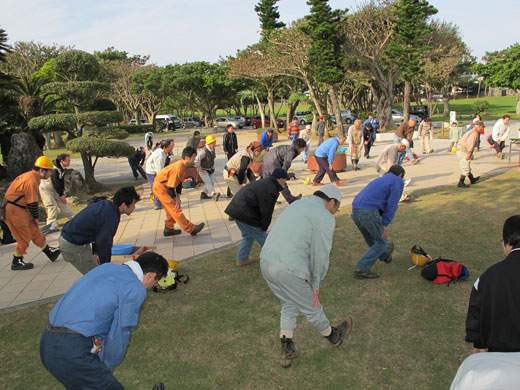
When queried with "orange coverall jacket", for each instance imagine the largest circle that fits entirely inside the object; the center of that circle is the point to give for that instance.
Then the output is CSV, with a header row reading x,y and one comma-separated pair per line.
x,y
172,176
18,218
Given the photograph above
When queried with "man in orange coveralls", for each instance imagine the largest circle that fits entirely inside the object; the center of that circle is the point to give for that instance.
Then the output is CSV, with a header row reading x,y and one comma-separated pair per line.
x,y
21,213
167,186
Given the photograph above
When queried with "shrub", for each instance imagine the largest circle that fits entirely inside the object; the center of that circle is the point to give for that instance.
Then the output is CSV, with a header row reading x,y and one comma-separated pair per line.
x,y
100,118
99,147
109,132
136,129
480,106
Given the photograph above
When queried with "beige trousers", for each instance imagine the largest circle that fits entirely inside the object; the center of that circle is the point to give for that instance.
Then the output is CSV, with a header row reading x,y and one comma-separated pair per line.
x,y
53,203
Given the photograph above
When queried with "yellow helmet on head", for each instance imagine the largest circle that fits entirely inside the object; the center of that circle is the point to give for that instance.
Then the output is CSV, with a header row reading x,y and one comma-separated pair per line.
x,y
210,139
44,162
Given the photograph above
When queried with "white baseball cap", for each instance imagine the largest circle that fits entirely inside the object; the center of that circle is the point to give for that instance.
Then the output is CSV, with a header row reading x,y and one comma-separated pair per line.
x,y
332,192
405,142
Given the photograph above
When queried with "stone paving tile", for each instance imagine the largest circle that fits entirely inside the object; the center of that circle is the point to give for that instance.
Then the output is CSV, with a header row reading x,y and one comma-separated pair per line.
x,y
6,298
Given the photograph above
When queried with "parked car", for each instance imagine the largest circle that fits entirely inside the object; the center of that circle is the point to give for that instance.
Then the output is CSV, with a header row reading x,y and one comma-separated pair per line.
x,y
302,116
190,122
241,121
420,110
134,122
256,122
398,117
171,119
224,121
347,116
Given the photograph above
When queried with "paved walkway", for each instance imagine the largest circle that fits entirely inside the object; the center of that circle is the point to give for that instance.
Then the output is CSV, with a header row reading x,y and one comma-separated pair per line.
x,y
47,281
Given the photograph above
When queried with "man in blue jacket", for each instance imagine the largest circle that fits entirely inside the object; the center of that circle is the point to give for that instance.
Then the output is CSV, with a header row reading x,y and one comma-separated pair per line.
x,y
266,139
96,224
372,211
89,328
324,156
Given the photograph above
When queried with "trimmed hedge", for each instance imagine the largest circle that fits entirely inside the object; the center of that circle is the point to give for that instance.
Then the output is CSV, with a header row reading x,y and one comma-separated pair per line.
x,y
135,129
100,147
109,132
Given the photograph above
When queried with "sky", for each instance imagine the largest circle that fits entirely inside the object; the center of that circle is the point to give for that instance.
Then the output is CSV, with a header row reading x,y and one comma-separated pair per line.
x,y
179,31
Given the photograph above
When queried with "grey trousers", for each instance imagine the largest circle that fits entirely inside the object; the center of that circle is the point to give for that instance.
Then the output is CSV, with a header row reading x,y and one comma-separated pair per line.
x,y
80,256
296,297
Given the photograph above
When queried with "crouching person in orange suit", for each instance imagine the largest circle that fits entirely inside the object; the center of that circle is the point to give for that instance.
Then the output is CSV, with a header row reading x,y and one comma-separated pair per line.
x,y
167,186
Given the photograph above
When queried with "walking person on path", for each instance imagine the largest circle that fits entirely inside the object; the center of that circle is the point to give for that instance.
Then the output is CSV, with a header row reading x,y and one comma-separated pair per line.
x,y
295,260
320,129
324,156
306,135
355,143
426,132
230,143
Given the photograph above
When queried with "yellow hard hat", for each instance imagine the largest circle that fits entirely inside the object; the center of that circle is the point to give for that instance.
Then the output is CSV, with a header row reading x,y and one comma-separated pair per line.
x,y
44,162
210,139
419,256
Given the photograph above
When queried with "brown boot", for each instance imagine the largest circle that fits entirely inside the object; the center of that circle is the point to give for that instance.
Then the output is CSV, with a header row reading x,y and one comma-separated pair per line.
x,y
288,352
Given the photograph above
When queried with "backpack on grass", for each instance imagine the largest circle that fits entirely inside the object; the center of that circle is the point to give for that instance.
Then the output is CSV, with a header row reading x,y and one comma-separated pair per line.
x,y
441,271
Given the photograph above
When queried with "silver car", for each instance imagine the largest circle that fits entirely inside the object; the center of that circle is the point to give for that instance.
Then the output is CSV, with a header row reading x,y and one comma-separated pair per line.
x,y
347,116
224,121
398,117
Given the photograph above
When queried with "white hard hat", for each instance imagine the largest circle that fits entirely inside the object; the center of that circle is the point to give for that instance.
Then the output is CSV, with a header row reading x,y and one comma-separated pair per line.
x,y
405,142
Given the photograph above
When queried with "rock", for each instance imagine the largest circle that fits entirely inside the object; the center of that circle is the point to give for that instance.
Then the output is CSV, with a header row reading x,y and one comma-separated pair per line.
x,y
22,155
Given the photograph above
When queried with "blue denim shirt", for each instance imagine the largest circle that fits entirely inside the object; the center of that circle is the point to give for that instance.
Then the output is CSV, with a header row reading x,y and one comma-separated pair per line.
x,y
382,194
328,149
105,303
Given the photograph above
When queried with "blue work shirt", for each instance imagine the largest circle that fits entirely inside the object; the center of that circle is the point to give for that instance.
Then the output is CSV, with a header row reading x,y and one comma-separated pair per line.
x,y
381,194
374,122
265,140
105,303
328,149
97,223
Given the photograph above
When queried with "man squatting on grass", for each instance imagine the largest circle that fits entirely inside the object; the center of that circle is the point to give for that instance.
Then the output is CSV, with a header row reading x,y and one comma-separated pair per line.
x,y
97,224
89,328
295,260
372,211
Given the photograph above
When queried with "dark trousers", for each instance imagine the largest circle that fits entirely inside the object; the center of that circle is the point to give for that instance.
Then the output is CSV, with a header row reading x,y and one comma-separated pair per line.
x,y
367,147
137,168
67,357
323,163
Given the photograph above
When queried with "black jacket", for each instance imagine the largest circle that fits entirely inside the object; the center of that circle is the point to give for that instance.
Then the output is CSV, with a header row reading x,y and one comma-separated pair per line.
x,y
279,157
254,203
230,143
493,319
57,174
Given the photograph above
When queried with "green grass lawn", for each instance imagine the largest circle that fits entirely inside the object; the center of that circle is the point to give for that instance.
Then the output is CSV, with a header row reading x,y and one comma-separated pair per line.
x,y
220,331
498,106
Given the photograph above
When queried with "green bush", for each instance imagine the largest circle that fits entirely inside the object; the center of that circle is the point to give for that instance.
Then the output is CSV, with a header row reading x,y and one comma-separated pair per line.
x,y
109,132
100,118
100,147
480,106
136,129
54,122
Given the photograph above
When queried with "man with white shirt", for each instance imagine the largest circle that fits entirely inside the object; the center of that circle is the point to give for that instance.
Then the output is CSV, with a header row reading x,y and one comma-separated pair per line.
x,y
306,135
499,135
89,328
155,162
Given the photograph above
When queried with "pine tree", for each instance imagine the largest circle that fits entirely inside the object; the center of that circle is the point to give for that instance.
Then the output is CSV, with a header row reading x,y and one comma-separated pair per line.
x,y
268,15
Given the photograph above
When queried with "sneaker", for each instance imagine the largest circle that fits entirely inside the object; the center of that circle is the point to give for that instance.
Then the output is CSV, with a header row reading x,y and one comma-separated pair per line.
x,y
217,196
203,195
415,161
247,262
365,275
406,182
391,247
340,332
288,352
19,265
171,232
315,183
157,207
51,252
197,229
340,182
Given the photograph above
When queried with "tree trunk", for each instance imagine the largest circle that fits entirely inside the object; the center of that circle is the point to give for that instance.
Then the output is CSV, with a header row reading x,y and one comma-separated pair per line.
x,y
261,110
406,99
47,136
270,102
58,141
335,106
517,95
89,171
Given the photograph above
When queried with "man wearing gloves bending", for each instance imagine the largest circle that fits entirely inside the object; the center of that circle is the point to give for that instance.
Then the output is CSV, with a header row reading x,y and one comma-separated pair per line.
x,y
294,268
89,328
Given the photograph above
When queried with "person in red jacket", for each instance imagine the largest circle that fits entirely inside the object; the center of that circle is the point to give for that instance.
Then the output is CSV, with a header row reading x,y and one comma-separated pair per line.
x,y
21,213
